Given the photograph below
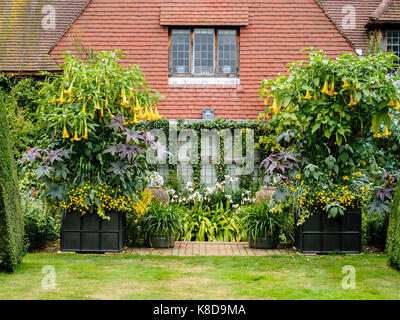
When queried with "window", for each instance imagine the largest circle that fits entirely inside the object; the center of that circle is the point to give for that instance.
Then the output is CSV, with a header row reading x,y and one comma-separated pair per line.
x,y
185,171
204,52
393,43
208,174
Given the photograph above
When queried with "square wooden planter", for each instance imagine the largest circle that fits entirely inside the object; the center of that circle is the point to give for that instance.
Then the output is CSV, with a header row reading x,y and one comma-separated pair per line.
x,y
320,234
90,233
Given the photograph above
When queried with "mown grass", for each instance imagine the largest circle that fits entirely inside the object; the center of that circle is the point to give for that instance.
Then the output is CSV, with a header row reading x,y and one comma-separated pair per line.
x,y
160,277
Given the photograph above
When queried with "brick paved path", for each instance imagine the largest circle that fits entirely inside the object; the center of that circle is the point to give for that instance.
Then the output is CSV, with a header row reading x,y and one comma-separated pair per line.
x,y
197,248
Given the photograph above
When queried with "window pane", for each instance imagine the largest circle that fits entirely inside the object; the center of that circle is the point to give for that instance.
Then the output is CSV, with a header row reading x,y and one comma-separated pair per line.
x,y
180,51
203,51
393,40
208,175
227,51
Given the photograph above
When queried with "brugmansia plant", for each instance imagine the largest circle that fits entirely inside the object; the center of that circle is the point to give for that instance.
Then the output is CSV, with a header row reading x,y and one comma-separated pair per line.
x,y
328,106
332,102
94,158
73,103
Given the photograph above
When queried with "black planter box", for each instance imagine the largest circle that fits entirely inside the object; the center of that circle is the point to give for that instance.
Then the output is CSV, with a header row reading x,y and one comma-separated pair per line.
x,y
264,242
320,234
90,233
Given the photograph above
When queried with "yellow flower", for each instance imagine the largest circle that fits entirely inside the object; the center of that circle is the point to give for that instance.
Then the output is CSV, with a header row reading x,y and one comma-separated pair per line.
x,y
378,135
332,91
274,106
325,88
298,176
75,138
68,92
352,102
345,178
135,120
85,135
65,133
397,107
124,100
307,96
346,84
358,174
390,103
157,115
387,132
61,99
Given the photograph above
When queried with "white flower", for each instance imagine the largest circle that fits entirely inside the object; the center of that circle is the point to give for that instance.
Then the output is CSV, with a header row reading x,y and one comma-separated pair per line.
x,y
155,179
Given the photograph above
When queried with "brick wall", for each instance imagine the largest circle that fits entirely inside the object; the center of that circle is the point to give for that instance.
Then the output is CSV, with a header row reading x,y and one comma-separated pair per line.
x,y
275,33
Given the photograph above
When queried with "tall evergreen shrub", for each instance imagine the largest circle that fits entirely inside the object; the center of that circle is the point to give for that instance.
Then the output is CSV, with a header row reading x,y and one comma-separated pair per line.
x,y
11,219
393,238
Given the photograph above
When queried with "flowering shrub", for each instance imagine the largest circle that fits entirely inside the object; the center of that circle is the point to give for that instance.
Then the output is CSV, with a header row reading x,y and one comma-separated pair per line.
x,y
92,142
322,111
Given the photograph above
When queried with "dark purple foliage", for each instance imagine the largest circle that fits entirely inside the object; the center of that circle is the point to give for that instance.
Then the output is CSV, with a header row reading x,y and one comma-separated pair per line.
x,y
117,123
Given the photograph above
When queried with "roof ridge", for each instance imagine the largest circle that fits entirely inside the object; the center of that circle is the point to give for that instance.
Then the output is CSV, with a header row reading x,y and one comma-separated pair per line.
x,y
380,9
68,27
335,24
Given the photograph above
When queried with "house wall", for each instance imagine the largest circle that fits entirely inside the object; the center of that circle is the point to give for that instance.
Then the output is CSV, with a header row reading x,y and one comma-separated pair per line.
x,y
275,33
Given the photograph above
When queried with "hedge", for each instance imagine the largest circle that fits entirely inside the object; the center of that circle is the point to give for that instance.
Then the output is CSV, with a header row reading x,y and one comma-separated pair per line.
x,y
11,219
393,238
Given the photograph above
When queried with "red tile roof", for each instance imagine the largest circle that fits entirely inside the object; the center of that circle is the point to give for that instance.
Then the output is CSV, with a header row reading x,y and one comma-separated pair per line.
x,y
364,9
387,12
24,43
199,13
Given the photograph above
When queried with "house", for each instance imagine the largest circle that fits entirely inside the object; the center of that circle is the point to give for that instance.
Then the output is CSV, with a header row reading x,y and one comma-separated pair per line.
x,y
357,19
200,54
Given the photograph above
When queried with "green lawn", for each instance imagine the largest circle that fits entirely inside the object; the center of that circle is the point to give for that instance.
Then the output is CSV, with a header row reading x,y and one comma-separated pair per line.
x,y
158,277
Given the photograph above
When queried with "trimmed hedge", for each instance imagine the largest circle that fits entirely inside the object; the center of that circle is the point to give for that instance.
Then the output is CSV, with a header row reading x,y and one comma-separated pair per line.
x,y
393,238
11,219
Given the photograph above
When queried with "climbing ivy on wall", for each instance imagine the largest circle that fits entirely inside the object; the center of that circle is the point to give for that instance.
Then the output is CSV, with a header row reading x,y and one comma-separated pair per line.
x,y
218,124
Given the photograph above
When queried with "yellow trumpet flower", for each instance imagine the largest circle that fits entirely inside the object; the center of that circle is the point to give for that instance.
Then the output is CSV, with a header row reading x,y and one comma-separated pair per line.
x,y
61,99
346,84
146,114
152,116
352,102
307,96
397,107
274,106
76,138
85,135
386,132
158,116
325,88
69,91
266,102
65,133
135,120
332,91
378,135
124,100
390,103
140,115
